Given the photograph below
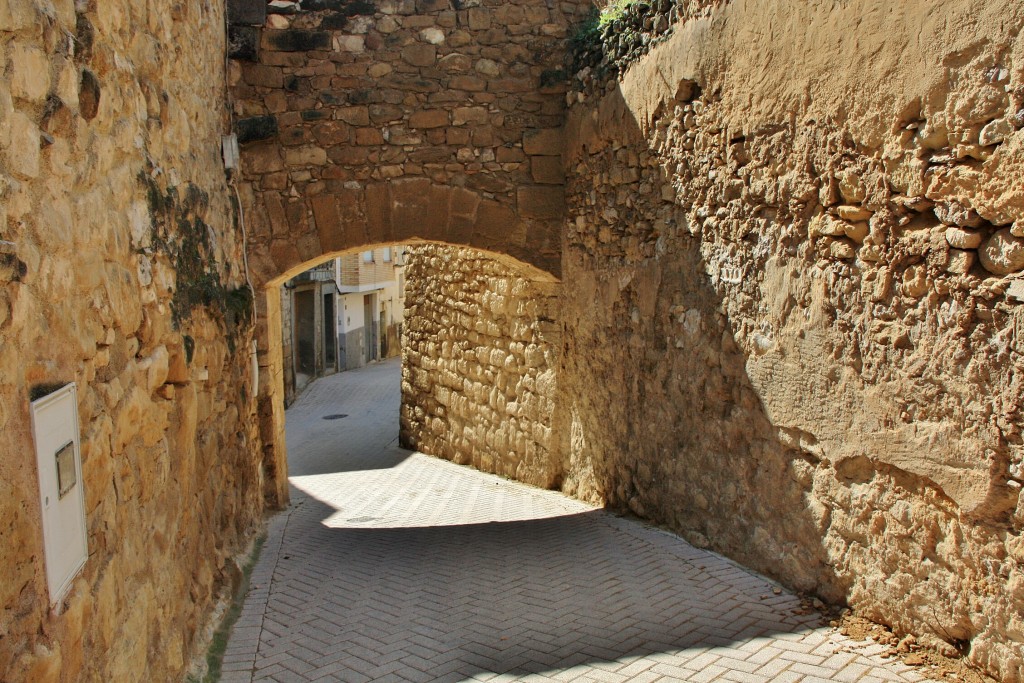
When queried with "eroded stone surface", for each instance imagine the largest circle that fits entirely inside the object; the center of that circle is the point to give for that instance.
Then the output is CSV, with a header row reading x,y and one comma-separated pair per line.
x,y
110,185
837,406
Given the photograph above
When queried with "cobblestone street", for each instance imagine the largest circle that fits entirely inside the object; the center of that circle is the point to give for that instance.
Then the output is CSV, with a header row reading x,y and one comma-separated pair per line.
x,y
395,566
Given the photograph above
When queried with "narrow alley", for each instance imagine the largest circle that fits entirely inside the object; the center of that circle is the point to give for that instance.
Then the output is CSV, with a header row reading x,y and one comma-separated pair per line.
x,y
396,566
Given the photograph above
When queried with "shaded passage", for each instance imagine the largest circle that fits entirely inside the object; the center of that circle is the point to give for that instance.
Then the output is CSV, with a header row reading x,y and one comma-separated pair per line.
x,y
394,566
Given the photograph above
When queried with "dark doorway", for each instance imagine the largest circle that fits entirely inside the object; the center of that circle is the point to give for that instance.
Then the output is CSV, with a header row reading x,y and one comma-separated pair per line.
x,y
305,335
371,328
330,335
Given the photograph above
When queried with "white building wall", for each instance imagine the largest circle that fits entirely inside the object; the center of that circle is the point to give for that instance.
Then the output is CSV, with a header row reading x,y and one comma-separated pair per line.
x,y
350,314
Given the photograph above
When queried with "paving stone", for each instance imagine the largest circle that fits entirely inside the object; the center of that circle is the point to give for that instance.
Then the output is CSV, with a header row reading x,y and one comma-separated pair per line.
x,y
394,566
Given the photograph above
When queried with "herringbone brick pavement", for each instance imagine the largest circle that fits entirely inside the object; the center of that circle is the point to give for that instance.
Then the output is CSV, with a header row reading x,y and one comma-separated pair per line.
x,y
394,566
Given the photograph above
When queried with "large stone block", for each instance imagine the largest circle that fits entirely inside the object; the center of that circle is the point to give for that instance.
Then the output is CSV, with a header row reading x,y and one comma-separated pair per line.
x,y
263,76
429,6
15,15
420,54
419,208
356,116
429,118
541,202
328,222
308,155
479,18
378,213
505,86
255,128
276,214
547,170
285,255
495,222
244,43
544,142
29,72
332,133
262,158
1003,254
294,40
248,12
23,153
472,115
464,203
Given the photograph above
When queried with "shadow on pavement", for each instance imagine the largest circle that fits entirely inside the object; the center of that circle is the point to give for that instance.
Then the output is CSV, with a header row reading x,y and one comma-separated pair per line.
x,y
366,438
338,456
454,600
524,597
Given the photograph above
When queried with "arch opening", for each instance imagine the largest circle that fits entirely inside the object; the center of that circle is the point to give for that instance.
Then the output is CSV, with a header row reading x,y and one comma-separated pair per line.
x,y
290,234
479,342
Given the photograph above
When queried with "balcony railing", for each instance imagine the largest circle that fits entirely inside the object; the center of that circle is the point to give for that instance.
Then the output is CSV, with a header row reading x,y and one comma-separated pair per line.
x,y
322,273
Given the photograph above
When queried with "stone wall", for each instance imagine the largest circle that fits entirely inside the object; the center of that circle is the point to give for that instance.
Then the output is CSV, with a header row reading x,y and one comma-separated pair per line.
x,y
366,123
793,327
795,255
121,270
480,352
372,123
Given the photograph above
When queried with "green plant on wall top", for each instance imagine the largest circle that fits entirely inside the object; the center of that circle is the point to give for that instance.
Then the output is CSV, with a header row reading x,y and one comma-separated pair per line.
x,y
586,43
616,33
612,11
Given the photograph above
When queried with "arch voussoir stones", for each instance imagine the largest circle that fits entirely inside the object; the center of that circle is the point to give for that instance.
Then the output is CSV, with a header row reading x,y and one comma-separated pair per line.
x,y
408,210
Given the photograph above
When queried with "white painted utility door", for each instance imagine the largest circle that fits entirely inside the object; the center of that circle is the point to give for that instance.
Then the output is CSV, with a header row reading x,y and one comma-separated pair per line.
x,y
61,498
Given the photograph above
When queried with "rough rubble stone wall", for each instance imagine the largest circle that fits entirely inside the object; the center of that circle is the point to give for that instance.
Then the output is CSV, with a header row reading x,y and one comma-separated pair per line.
x,y
111,193
375,122
795,251
480,352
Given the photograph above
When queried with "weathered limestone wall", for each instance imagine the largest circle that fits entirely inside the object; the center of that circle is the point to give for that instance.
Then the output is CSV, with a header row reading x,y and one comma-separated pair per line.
x,y
112,196
376,122
794,325
480,353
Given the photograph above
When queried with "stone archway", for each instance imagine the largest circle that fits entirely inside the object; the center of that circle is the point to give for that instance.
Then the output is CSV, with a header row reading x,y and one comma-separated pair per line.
x,y
269,325
296,231
379,123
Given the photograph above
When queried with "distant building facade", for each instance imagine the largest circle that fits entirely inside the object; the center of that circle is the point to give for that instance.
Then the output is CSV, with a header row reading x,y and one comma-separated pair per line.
x,y
342,314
